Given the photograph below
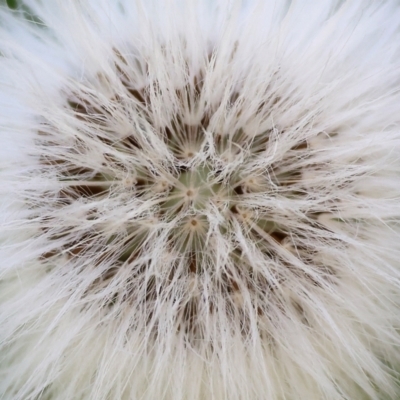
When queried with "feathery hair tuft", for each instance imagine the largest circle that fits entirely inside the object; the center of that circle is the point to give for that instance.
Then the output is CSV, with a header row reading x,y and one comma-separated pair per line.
x,y
200,200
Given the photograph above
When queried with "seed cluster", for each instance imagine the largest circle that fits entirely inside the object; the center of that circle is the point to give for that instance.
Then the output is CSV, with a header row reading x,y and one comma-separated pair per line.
x,y
178,212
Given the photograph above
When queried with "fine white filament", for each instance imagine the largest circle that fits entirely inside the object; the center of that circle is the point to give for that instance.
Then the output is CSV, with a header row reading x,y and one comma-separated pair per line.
x,y
200,200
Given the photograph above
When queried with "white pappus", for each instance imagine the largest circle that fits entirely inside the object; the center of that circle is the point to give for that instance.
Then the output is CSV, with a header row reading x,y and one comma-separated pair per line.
x,y
200,200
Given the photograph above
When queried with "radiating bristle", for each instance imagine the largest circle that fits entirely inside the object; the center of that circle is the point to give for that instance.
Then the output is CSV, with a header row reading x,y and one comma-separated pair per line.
x,y
201,200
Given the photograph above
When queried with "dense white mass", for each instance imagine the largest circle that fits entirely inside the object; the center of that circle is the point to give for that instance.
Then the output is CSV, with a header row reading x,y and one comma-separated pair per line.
x,y
200,200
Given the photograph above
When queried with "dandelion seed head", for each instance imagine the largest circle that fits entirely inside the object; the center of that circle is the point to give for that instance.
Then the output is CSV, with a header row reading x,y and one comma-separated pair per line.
x,y
202,208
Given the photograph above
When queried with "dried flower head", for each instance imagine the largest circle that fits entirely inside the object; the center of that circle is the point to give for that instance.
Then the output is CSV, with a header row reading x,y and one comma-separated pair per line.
x,y
201,200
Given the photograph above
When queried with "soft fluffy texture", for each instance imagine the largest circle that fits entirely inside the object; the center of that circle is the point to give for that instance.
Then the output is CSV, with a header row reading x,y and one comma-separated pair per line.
x,y
200,200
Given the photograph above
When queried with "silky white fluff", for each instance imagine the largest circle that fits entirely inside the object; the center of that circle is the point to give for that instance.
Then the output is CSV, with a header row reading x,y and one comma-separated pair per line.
x,y
200,200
